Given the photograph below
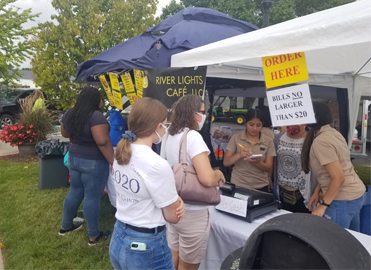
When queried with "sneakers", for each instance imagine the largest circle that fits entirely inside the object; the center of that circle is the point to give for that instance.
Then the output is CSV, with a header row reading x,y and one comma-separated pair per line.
x,y
78,219
101,237
75,227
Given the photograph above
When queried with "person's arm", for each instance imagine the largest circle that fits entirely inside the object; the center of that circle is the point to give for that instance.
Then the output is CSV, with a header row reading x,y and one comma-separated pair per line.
x,y
205,173
101,138
174,212
314,198
336,173
64,132
231,158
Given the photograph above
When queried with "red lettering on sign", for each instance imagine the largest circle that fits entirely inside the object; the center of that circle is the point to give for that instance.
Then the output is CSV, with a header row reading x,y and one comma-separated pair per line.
x,y
275,60
268,64
282,58
296,70
288,72
297,55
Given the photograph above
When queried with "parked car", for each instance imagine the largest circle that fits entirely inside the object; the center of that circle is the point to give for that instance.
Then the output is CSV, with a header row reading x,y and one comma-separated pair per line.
x,y
9,106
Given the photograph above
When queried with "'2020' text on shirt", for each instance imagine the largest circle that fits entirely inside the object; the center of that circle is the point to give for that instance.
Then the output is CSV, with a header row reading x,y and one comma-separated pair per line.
x,y
143,186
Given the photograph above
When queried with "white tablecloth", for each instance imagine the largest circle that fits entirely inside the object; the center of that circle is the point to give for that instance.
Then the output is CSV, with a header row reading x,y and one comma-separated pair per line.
x,y
228,234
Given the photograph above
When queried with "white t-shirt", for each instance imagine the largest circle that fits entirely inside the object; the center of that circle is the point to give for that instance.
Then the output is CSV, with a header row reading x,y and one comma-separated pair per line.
x,y
143,186
195,146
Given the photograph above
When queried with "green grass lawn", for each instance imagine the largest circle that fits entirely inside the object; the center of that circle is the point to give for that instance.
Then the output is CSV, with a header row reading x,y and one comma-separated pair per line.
x,y
364,173
30,220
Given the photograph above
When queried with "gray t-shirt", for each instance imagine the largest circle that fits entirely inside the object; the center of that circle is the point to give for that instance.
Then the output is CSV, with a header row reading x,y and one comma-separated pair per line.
x,y
84,146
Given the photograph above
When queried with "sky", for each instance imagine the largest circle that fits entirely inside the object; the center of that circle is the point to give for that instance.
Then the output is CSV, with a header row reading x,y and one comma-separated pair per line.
x,y
46,9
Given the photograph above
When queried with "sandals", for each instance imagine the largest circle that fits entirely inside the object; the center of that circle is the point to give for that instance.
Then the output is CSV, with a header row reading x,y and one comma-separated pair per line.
x,y
101,237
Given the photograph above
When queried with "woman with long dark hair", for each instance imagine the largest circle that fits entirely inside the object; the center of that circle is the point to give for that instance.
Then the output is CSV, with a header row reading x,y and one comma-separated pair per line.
x,y
251,172
90,154
146,193
325,153
188,239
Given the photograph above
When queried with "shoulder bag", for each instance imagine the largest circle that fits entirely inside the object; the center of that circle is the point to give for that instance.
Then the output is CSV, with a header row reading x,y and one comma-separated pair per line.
x,y
189,188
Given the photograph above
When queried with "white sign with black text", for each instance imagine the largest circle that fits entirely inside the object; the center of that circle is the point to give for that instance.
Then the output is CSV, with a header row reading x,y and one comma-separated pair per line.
x,y
233,205
291,106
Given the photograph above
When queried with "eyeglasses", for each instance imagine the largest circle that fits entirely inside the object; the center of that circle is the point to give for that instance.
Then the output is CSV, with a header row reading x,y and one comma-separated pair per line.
x,y
203,112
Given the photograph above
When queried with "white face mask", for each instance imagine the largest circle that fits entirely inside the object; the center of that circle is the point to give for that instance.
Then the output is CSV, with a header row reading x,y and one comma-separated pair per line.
x,y
158,135
201,124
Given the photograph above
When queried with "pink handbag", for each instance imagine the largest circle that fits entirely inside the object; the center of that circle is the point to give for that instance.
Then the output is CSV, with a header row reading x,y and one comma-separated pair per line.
x,y
188,186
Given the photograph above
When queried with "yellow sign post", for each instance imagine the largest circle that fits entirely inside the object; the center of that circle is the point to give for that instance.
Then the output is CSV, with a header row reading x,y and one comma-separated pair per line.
x,y
139,77
284,69
129,88
116,90
106,87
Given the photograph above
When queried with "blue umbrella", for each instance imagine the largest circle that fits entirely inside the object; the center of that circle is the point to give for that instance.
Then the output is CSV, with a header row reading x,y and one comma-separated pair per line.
x,y
190,28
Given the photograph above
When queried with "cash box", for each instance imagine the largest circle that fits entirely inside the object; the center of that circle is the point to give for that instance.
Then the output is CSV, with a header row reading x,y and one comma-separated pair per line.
x,y
244,203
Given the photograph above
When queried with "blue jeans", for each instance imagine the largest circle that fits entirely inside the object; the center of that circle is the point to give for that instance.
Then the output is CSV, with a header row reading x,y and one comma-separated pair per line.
x,y
156,256
346,213
88,179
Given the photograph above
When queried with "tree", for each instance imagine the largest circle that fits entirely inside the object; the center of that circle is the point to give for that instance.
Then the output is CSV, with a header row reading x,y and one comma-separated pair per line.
x,y
172,8
83,29
14,44
251,10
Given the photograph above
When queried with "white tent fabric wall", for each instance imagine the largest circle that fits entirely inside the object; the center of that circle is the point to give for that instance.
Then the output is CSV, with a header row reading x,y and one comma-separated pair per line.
x,y
336,42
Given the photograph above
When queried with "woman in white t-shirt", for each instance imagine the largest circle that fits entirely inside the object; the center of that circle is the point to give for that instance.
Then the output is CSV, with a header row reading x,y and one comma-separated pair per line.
x,y
146,193
188,238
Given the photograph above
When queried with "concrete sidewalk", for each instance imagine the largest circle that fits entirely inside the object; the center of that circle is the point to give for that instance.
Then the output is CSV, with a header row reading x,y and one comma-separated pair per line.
x,y
6,149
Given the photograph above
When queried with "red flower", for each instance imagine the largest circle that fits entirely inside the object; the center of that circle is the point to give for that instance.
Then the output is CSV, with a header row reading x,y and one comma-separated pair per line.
x,y
28,131
30,126
20,143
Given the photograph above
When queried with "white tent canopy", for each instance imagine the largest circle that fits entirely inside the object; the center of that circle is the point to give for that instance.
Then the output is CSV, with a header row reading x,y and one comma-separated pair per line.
x,y
336,42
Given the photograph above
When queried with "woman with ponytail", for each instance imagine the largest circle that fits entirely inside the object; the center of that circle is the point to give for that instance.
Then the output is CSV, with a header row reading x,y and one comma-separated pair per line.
x,y
339,194
90,154
146,193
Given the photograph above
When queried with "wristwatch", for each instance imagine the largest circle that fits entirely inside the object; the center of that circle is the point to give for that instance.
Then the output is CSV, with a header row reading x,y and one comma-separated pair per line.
x,y
321,202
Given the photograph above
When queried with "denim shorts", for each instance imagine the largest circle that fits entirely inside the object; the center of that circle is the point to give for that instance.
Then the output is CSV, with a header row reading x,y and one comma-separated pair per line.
x,y
157,254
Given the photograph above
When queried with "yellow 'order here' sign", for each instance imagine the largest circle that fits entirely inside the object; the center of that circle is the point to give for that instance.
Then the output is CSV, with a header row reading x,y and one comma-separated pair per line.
x,y
284,69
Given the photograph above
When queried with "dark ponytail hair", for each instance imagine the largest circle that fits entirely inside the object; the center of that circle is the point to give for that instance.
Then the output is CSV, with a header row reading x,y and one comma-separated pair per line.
x,y
87,102
323,116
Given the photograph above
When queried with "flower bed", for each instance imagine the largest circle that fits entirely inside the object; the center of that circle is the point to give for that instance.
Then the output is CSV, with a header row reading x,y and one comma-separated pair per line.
x,y
18,134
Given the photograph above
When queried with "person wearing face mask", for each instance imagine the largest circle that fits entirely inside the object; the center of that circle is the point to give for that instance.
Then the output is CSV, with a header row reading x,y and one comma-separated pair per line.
x,y
251,172
293,185
188,238
146,193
